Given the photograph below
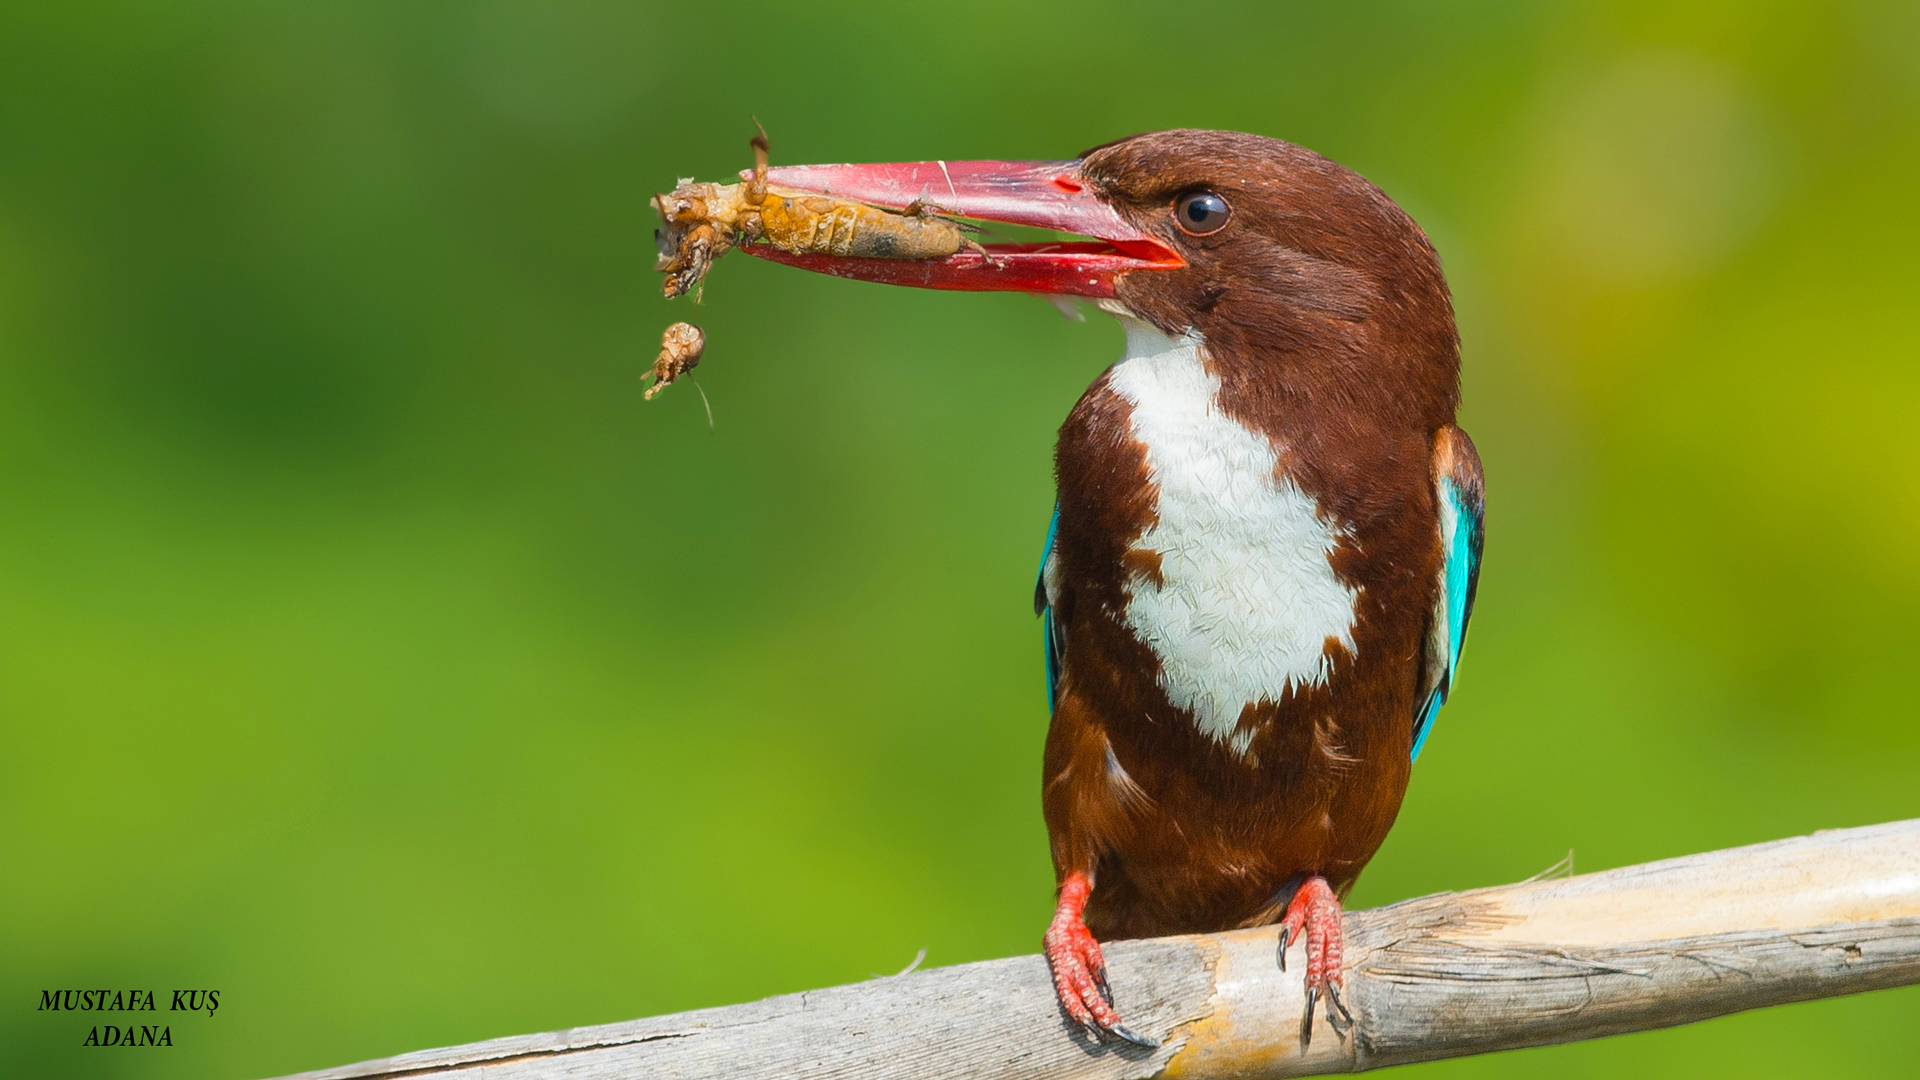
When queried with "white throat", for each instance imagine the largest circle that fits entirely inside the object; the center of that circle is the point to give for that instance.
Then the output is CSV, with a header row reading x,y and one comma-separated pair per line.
x,y
1247,599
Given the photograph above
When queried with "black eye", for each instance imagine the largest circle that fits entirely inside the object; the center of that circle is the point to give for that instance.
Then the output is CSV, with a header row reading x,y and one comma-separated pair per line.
x,y
1201,212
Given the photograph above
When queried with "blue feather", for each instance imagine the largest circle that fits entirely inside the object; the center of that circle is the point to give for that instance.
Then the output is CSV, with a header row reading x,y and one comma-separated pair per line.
x,y
1425,729
1458,576
1054,646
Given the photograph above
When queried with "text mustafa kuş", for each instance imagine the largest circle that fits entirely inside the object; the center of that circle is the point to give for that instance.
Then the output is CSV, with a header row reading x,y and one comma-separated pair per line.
x,y
133,1001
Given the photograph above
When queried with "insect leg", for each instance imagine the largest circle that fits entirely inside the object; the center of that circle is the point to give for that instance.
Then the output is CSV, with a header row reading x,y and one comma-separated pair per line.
x,y
978,249
757,187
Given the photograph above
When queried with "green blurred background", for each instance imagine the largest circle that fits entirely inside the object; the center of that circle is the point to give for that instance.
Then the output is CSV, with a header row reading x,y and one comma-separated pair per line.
x,y
373,654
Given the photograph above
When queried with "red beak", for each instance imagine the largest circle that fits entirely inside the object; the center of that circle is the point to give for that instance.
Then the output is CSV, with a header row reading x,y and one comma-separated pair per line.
x,y
1045,194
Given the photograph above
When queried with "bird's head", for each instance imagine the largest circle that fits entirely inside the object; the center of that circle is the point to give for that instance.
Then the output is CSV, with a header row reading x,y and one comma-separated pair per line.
x,y
1292,268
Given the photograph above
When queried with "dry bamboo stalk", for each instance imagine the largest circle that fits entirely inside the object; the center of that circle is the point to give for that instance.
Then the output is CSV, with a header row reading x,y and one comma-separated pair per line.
x,y
1443,976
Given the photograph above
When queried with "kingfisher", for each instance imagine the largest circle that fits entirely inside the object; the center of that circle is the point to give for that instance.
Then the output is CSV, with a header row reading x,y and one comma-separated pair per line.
x,y
1267,534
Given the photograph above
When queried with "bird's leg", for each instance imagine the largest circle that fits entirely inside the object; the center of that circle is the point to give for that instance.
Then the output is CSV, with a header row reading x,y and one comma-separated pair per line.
x,y
1079,974
1315,912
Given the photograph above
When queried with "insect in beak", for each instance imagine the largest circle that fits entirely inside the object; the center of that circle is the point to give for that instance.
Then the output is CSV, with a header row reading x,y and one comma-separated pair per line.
x,y
1043,194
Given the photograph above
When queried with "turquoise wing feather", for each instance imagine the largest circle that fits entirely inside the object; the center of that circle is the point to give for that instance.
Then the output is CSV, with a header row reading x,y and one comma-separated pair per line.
x,y
1053,633
1460,494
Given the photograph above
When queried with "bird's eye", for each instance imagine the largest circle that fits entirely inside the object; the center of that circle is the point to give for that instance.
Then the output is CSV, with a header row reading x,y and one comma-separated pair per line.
x,y
1201,212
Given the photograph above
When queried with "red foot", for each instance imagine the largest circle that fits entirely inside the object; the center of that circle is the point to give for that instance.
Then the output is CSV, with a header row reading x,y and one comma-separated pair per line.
x,y
1315,911
1079,974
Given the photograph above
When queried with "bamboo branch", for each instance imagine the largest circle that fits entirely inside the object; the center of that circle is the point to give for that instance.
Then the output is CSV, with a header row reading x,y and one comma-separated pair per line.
x,y
1541,962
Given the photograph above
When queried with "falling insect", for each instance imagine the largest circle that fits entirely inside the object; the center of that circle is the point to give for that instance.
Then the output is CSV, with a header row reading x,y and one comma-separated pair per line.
x,y
680,349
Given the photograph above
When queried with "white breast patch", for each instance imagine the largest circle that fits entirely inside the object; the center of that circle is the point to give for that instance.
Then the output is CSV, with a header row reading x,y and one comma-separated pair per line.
x,y
1247,597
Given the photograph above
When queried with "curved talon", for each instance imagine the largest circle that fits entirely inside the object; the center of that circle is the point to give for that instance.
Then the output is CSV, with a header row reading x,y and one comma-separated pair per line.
x,y
1334,1003
1306,1020
1135,1038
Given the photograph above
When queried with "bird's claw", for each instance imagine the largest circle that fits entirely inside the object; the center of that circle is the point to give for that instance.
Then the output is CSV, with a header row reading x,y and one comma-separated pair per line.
x,y
1080,973
1314,913
1080,979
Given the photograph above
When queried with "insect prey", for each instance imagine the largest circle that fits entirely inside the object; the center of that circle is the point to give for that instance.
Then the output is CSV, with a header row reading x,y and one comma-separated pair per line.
x,y
702,222
680,349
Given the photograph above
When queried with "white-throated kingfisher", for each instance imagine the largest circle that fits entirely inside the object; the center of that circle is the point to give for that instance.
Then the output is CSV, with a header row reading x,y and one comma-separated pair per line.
x,y
1267,537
